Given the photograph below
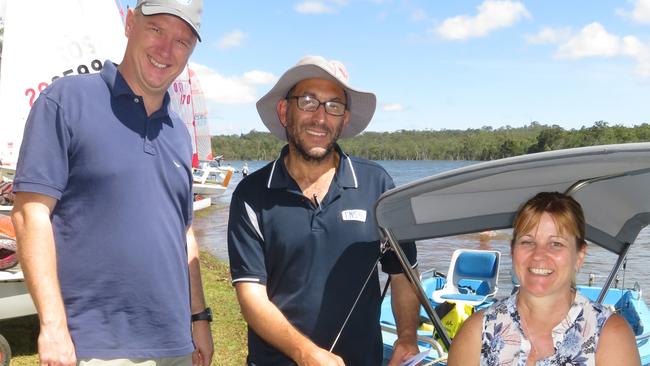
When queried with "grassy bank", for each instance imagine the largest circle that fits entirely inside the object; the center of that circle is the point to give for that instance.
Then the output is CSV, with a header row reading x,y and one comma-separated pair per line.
x,y
228,328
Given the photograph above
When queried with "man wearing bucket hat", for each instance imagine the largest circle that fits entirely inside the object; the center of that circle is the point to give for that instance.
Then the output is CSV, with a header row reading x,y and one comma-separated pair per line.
x,y
302,239
103,206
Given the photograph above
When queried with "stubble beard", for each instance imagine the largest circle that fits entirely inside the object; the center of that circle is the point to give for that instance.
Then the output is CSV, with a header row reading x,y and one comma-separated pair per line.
x,y
299,146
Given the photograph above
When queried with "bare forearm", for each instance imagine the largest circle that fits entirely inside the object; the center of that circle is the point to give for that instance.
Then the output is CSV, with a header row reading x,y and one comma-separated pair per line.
x,y
196,284
406,307
37,254
269,323
201,332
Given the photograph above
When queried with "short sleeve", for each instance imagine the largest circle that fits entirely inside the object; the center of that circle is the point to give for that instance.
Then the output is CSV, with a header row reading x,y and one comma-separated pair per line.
x,y
43,160
245,243
390,264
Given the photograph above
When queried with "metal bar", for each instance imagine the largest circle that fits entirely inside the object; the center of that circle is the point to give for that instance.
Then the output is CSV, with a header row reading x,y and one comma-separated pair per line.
x,y
417,287
612,274
642,337
428,340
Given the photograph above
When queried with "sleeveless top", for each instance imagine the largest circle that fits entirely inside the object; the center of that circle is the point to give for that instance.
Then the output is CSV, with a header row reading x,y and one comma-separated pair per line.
x,y
575,338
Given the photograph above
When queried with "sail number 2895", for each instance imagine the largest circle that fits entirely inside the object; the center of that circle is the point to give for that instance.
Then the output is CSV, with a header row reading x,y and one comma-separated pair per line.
x,y
32,93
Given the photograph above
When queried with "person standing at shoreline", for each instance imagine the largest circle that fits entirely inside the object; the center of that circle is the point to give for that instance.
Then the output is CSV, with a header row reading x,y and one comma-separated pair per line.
x,y
244,170
103,206
302,237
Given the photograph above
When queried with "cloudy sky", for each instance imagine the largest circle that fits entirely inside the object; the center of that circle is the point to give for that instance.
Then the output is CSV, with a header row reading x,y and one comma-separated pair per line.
x,y
437,64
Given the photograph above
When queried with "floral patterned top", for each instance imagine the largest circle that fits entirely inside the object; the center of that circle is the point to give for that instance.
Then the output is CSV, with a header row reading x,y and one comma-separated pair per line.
x,y
575,338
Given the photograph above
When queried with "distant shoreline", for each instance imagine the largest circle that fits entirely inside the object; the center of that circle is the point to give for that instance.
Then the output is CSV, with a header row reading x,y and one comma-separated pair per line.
x,y
481,144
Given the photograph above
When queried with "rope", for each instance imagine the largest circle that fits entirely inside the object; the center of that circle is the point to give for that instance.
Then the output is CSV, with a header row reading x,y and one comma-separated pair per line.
x,y
383,249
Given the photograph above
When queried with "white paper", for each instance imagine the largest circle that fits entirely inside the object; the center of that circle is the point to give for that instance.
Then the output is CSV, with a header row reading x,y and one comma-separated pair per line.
x,y
416,359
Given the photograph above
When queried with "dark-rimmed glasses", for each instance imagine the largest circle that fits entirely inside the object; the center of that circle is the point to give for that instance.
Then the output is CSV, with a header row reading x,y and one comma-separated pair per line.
x,y
310,104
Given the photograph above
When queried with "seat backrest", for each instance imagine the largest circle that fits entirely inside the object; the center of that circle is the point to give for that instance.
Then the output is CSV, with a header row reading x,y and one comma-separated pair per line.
x,y
480,265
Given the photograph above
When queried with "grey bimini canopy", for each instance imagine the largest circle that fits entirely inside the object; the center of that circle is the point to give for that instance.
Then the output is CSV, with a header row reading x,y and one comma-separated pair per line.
x,y
611,182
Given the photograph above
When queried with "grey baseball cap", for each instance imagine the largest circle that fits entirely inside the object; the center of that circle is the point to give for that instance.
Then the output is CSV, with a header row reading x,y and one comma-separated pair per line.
x,y
188,10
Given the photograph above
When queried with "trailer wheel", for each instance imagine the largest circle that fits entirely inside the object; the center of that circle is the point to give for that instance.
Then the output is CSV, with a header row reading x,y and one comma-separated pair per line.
x,y
5,352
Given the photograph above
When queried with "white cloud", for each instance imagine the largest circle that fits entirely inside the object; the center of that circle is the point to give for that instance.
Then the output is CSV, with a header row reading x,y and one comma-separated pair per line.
x,y
594,41
640,13
232,39
492,15
313,7
392,107
257,77
231,89
549,35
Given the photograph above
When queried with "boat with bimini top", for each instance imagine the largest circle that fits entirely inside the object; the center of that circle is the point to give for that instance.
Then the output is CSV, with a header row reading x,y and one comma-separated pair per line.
x,y
611,182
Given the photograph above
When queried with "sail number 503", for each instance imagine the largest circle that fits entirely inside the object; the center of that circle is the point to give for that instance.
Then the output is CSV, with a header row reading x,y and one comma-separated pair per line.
x,y
32,93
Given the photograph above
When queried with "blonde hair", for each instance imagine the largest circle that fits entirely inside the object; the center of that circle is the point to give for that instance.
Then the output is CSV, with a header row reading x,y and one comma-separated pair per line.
x,y
565,211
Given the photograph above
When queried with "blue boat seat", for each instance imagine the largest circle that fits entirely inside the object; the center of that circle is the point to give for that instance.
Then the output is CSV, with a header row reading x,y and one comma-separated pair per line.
x,y
472,277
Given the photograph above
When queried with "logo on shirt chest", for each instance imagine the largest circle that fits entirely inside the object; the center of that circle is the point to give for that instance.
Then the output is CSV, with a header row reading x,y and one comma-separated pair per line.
x,y
354,215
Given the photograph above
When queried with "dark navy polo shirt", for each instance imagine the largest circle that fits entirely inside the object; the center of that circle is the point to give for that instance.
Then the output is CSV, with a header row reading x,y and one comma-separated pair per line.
x,y
313,258
123,183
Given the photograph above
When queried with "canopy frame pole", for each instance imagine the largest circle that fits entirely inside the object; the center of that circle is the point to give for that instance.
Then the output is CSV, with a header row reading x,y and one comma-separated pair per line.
x,y
612,274
416,284
626,246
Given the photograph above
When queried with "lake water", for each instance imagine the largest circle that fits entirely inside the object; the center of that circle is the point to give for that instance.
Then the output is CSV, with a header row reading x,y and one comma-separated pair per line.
x,y
210,226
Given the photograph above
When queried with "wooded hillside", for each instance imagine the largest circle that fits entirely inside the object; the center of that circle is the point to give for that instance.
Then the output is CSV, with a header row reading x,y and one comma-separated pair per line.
x,y
472,144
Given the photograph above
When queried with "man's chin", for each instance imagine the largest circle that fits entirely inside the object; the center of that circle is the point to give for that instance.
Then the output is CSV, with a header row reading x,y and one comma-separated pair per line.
x,y
316,154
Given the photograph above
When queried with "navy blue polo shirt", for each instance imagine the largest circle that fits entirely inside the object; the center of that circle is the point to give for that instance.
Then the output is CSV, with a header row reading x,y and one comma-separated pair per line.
x,y
123,185
314,258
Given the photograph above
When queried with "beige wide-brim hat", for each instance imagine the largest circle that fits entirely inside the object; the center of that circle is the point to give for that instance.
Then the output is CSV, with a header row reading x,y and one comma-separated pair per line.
x,y
360,104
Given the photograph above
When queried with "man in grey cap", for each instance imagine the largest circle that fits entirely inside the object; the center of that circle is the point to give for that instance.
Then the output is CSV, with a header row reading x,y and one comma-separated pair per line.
x,y
303,243
103,206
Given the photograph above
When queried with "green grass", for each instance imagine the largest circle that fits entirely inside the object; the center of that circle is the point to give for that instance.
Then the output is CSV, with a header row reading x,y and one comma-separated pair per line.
x,y
228,327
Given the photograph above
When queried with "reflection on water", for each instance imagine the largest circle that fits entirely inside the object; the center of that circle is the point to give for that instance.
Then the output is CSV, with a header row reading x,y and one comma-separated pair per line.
x,y
210,226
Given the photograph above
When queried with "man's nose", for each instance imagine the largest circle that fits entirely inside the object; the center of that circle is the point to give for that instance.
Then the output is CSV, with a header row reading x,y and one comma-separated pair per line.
x,y
319,113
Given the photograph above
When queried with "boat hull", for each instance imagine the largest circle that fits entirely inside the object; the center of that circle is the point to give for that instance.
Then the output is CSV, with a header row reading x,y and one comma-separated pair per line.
x,y
209,190
15,300
200,204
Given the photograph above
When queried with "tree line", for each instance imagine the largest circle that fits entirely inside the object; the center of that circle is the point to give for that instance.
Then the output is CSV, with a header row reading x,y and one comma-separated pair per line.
x,y
482,144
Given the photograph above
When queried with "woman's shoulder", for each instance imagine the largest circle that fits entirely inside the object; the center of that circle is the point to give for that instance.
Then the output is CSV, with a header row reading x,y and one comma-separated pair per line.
x,y
617,344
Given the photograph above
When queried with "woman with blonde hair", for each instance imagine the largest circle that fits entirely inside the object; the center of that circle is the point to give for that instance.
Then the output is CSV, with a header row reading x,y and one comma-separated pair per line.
x,y
546,322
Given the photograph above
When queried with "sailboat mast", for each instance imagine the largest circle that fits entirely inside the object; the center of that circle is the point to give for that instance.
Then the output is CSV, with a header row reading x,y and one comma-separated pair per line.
x,y
195,155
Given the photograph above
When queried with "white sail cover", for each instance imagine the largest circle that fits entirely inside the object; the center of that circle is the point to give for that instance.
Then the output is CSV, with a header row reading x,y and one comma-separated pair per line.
x,y
45,40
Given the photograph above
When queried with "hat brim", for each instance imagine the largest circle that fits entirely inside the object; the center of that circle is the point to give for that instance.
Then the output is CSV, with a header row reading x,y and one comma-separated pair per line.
x,y
148,9
360,104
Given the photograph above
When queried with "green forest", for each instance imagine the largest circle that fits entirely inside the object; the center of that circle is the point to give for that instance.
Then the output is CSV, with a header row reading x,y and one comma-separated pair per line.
x,y
485,143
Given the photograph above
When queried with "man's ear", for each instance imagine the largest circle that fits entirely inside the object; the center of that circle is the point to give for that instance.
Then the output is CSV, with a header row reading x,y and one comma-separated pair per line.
x,y
129,24
346,119
281,108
